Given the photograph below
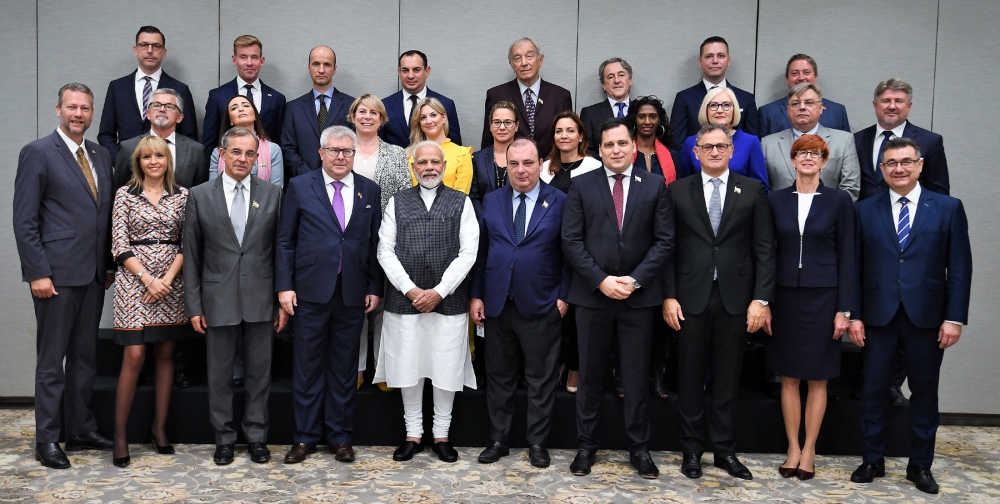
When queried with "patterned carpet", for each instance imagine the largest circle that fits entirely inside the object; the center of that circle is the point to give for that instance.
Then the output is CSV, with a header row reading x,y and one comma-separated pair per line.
x,y
967,468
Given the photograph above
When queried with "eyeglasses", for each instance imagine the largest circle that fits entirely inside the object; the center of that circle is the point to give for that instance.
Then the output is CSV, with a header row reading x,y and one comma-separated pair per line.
x,y
807,103
722,147
146,45
725,106
334,152
236,153
905,163
496,123
802,154
170,107
648,97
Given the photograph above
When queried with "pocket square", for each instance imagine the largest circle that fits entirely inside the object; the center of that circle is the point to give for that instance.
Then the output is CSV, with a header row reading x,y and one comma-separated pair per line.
x,y
368,206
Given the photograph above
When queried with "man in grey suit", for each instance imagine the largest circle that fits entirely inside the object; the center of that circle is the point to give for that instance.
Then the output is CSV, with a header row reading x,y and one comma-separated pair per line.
x,y
229,235
62,221
805,106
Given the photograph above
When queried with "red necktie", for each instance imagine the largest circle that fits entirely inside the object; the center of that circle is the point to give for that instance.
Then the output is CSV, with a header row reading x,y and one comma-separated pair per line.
x,y
618,194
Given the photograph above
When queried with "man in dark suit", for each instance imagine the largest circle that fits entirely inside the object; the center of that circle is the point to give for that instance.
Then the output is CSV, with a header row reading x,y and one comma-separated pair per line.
x,y
308,115
615,75
413,73
773,117
537,101
62,219
124,114
914,285
248,58
229,233
718,287
519,285
893,101
713,59
617,234
328,277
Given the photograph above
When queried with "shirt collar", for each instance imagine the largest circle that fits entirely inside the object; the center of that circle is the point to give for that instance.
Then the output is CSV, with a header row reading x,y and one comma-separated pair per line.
x,y
913,196
614,103
348,179
706,178
328,93
229,183
534,87
171,138
532,194
240,84
627,172
796,133
897,131
155,75
73,146
709,85
420,96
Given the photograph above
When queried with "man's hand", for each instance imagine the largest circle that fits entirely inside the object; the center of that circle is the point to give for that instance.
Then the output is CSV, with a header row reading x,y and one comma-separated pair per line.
x,y
198,322
767,323
613,288
756,314
42,288
281,321
477,311
427,301
371,301
413,293
857,332
626,282
563,307
288,301
840,324
672,313
109,279
948,334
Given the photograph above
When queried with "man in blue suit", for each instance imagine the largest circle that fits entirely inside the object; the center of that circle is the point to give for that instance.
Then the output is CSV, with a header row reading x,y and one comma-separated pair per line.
x,y
248,58
915,281
128,98
413,73
308,115
62,225
773,117
713,60
328,277
519,285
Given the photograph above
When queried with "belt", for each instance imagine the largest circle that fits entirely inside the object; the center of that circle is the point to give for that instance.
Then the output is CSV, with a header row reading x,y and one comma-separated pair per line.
x,y
154,242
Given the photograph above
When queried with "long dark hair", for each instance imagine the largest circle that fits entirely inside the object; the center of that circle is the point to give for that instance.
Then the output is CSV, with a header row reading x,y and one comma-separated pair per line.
x,y
555,163
665,132
258,125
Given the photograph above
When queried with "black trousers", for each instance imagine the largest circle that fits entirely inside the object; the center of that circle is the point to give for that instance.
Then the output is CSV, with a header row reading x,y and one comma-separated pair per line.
x,y
721,335
509,337
594,330
67,328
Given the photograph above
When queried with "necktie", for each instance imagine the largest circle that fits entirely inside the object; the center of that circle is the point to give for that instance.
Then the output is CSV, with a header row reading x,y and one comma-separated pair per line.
x,y
249,88
338,210
321,117
81,159
715,206
519,218
147,92
618,194
881,150
413,107
621,109
903,229
238,213
529,108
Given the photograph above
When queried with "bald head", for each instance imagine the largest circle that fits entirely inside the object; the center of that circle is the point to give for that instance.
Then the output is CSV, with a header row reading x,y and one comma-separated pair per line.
x,y
322,67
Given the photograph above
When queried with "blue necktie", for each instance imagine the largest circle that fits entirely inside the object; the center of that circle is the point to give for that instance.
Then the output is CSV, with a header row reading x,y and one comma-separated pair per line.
x,y
903,229
519,218
621,109
715,206
249,88
881,150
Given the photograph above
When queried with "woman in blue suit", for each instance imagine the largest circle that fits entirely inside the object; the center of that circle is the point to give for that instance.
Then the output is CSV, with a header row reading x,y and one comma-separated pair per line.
x,y
814,231
720,107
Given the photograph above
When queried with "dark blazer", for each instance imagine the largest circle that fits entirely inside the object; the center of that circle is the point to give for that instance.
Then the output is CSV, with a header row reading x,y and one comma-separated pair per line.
x,y
190,167
534,268
300,133
397,130
687,105
553,100
934,176
592,117
825,247
932,277
773,117
743,251
60,231
596,249
484,179
122,119
311,245
272,113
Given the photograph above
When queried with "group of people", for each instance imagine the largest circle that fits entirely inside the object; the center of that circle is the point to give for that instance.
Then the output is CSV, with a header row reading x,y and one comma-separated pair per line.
x,y
569,241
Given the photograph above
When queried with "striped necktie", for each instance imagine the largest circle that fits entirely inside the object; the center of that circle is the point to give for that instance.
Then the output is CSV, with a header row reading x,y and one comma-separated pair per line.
x,y
903,228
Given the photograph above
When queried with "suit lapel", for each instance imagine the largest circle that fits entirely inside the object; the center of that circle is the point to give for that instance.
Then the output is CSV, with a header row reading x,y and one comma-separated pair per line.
x,y
61,146
515,91
608,198
319,186
698,199
541,208
252,211
336,108
925,205
131,95
219,195
395,110
359,200
785,145
634,189
884,209
307,103
508,210
732,198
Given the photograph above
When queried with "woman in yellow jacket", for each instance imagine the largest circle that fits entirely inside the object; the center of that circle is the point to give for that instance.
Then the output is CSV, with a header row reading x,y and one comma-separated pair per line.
x,y
430,122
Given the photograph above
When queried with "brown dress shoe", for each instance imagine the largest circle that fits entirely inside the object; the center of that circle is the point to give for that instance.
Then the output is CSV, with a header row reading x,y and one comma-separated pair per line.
x,y
298,453
343,452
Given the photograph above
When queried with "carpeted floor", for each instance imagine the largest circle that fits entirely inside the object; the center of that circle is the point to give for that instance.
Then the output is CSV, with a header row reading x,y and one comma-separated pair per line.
x,y
967,468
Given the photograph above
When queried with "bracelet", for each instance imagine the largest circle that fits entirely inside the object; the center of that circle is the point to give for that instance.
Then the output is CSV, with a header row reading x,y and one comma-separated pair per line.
x,y
151,280
139,276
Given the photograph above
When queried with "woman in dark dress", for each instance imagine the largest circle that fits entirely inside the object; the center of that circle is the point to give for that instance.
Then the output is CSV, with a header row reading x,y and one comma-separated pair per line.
x,y
814,230
569,157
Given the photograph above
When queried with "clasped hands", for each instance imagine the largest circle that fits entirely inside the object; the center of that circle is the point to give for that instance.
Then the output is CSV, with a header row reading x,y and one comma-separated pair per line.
x,y
617,287
424,300
757,316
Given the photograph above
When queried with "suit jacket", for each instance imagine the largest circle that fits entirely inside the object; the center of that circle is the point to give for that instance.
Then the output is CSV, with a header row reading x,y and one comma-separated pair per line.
x,y
822,255
773,117
743,251
225,281
533,268
592,117
932,277
484,179
122,119
841,170
60,231
300,133
272,113
596,249
934,176
190,167
687,105
311,244
551,100
397,130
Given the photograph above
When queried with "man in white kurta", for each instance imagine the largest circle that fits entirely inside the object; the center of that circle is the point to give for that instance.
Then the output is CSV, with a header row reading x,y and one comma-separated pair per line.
x,y
427,244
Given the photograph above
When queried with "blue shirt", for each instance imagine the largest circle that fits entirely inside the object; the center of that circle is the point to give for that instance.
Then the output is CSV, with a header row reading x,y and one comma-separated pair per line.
x,y
329,98
531,197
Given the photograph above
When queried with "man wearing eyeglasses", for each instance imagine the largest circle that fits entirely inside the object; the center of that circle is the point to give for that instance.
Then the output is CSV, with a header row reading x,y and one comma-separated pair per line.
x,y
805,106
615,75
128,98
774,116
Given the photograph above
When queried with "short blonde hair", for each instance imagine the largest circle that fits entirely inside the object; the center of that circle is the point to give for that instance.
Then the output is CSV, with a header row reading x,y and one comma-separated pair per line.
x,y
417,135
247,41
152,145
712,93
371,101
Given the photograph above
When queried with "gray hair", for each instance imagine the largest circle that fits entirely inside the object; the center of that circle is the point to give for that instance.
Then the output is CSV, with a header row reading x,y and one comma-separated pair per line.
x,y
171,92
510,50
426,143
901,143
337,132
710,127
802,87
616,59
237,131
895,84
74,86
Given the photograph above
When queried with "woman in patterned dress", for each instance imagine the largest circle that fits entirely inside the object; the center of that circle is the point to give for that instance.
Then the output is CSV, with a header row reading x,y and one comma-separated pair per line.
x,y
147,225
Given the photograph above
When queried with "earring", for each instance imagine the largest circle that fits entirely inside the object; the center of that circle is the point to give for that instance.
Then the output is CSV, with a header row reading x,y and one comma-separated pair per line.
x,y
664,130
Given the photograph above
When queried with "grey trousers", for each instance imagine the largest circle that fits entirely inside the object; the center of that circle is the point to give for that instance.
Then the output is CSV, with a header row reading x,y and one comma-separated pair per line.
x,y
220,347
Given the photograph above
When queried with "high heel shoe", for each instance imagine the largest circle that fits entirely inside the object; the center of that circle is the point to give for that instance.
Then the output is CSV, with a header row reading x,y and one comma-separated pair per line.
x,y
805,475
162,450
787,472
121,461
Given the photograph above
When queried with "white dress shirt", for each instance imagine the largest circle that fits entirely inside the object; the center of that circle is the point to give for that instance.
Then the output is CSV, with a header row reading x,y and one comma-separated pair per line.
x,y
896,133
626,183
73,146
796,133
256,91
709,187
229,189
534,89
805,203
346,192
614,105
140,84
709,85
913,197
407,104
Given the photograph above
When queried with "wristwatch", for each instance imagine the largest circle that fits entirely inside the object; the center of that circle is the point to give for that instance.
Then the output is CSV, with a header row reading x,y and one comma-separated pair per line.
x,y
762,302
635,284
846,314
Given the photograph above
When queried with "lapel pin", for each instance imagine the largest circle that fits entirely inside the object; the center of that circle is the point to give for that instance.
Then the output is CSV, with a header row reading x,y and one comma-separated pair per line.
x,y
637,179
540,102
545,204
737,190
359,194
256,205
268,94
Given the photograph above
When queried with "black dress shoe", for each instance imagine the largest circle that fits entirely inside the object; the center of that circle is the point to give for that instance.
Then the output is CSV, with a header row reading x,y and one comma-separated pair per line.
x,y
223,454
406,450
121,462
92,441
866,473
182,380
162,450
259,454
445,452
643,463
493,452
582,462
691,465
922,478
733,466
659,383
50,455
538,455
896,397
